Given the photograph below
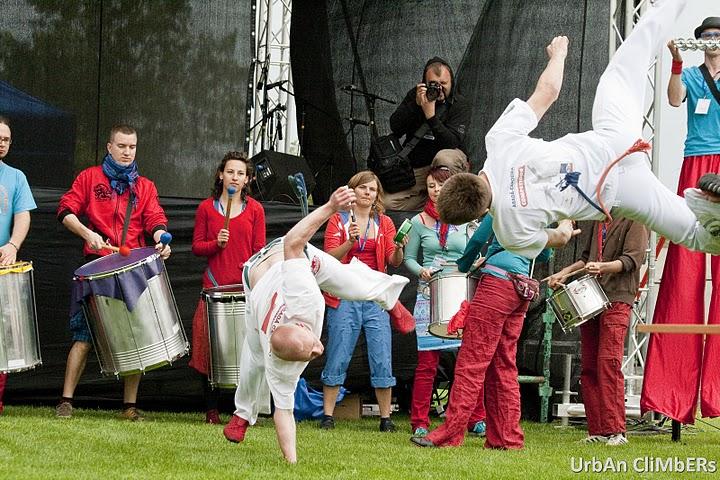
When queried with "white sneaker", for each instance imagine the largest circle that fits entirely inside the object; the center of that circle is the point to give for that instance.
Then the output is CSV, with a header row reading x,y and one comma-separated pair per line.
x,y
707,212
617,439
595,439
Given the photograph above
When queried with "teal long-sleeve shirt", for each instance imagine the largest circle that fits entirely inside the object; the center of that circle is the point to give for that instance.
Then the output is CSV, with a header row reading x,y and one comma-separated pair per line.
x,y
496,255
426,237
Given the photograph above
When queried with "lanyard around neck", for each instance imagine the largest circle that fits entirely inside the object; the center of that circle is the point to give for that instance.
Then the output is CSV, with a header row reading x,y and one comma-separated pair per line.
x,y
363,241
221,209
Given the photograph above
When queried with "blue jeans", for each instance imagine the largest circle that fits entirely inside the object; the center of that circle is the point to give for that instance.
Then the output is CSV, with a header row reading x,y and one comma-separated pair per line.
x,y
344,324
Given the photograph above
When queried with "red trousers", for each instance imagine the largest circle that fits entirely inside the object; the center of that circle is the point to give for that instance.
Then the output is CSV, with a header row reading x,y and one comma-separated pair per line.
x,y
487,356
601,378
3,379
677,366
423,385
200,352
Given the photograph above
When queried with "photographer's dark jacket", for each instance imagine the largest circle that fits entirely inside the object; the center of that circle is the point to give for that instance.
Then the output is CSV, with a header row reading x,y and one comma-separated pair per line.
x,y
447,127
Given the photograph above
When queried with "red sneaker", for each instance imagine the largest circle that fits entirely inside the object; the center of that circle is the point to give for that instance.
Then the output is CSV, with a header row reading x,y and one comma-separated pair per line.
x,y
235,430
213,417
401,319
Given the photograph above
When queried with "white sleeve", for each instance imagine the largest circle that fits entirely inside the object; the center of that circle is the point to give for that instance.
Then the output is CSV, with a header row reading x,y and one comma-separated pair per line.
x,y
282,377
521,241
518,120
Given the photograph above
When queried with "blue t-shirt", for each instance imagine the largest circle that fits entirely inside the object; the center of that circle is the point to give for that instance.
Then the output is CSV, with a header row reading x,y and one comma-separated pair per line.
x,y
703,135
496,255
15,197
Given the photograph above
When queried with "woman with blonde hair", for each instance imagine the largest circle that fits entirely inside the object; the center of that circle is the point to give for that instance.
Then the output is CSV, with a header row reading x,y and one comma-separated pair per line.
x,y
365,234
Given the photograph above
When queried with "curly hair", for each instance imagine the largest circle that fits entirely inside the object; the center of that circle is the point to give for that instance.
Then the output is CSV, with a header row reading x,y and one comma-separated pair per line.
x,y
218,185
463,197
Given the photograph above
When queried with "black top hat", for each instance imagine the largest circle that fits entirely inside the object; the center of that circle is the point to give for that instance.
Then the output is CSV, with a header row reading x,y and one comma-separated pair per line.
x,y
709,22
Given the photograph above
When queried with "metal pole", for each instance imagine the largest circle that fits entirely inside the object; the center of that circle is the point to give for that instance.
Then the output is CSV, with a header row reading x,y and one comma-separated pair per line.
x,y
545,389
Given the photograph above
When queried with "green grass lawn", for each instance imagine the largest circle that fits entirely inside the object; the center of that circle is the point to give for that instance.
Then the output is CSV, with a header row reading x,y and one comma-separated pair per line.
x,y
95,444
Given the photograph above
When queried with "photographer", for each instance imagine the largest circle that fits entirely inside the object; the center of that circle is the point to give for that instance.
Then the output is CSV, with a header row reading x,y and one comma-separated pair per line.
x,y
447,115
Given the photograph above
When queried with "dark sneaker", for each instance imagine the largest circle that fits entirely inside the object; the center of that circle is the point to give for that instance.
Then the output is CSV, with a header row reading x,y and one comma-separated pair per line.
x,y
235,430
132,414
64,410
595,439
387,425
422,442
478,429
213,417
706,211
327,422
710,183
420,432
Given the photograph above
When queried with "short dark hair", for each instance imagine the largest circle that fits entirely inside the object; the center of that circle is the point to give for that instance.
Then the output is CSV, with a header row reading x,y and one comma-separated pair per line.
x,y
123,128
440,173
5,120
233,155
463,197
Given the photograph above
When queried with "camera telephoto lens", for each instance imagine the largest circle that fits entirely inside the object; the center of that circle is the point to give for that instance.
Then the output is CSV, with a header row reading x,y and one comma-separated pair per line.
x,y
433,91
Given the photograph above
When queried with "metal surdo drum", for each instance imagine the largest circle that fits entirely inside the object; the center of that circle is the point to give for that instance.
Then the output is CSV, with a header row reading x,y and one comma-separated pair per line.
x,y
130,309
578,301
19,341
448,289
226,331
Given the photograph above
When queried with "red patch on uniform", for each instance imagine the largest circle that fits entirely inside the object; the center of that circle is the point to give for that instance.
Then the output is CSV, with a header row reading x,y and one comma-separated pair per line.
x,y
315,265
522,193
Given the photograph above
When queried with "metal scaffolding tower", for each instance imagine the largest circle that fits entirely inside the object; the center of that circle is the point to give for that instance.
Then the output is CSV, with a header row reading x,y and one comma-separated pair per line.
x,y
624,15
271,122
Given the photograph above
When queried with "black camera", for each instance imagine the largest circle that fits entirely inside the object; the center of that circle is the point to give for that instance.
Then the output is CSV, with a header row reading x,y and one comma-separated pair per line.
x,y
433,90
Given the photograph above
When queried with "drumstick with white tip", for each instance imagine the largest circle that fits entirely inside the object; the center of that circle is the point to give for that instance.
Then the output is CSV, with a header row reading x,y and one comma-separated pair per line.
x,y
353,219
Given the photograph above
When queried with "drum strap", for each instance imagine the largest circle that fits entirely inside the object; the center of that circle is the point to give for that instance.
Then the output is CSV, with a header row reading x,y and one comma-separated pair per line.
x,y
128,213
212,277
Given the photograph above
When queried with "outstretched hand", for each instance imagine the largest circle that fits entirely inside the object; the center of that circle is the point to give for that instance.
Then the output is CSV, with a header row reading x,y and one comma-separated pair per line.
x,y
342,198
674,51
558,47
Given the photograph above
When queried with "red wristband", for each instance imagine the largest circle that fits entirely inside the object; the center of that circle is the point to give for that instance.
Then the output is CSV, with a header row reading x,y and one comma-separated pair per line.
x,y
676,67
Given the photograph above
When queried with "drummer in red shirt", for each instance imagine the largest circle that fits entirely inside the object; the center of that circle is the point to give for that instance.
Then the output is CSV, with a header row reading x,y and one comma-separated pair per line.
x,y
101,194
226,249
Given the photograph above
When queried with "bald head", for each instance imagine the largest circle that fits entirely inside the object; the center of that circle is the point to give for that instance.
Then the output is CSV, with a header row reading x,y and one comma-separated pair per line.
x,y
464,197
295,342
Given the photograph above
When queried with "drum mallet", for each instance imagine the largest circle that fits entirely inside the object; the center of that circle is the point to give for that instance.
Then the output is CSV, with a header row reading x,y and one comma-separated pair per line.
x,y
696,44
165,238
231,191
123,250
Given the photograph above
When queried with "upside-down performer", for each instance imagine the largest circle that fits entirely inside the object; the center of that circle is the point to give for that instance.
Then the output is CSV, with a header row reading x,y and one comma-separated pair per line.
x,y
284,318
525,182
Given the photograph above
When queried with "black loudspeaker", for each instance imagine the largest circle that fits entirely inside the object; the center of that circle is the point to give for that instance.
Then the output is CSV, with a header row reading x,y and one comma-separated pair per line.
x,y
271,176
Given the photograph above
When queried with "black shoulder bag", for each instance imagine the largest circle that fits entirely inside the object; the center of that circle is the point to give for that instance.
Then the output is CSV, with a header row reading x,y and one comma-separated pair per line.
x,y
390,163
710,82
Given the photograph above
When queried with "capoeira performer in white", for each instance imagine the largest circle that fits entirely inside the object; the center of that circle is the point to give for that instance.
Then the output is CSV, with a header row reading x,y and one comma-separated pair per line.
x,y
284,317
525,182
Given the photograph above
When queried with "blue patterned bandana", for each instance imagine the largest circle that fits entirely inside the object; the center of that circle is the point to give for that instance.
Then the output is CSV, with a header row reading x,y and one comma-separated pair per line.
x,y
120,177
